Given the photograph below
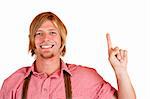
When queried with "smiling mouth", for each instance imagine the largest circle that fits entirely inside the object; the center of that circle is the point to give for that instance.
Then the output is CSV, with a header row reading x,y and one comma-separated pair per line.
x,y
47,46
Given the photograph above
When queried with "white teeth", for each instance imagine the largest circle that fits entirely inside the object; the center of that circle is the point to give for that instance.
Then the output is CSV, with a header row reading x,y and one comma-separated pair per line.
x,y
46,46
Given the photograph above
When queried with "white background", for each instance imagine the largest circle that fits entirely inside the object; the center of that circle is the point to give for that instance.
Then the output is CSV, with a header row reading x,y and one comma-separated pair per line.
x,y
128,22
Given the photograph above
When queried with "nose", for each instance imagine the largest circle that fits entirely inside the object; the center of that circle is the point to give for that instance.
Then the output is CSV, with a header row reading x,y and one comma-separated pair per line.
x,y
46,37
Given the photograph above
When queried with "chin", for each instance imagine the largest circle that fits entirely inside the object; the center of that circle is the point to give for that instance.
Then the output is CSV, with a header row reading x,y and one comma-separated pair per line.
x,y
47,55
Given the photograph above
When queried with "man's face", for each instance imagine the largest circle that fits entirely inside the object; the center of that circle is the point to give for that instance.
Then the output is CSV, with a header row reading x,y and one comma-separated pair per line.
x,y
47,40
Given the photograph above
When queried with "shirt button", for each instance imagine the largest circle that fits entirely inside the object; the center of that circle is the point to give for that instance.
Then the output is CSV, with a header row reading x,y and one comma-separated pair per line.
x,y
45,89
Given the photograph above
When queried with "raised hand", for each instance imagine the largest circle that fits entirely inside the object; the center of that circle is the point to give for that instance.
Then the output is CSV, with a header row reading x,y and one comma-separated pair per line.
x,y
117,57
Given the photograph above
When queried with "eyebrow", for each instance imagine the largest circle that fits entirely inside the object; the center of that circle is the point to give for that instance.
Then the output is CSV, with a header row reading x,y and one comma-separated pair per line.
x,y
39,30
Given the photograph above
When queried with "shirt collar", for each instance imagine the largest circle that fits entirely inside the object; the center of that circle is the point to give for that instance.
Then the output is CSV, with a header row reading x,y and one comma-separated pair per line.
x,y
64,67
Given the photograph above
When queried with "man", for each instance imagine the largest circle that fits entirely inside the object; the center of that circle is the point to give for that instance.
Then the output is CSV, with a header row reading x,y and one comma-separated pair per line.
x,y
50,78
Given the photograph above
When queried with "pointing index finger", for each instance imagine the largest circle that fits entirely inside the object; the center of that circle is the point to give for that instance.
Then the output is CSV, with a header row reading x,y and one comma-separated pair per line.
x,y
109,44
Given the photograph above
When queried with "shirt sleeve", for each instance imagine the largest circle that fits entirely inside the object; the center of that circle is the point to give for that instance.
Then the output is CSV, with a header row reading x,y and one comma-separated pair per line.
x,y
5,92
100,89
105,91
10,85
1,94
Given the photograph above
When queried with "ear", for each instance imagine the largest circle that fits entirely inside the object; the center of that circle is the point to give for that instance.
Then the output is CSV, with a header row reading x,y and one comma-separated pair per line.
x,y
63,50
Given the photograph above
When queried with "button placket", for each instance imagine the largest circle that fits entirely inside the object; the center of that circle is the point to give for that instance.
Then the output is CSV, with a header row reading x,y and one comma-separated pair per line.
x,y
46,85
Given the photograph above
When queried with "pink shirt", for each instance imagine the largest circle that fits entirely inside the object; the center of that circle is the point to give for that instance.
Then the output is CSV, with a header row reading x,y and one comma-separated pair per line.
x,y
86,84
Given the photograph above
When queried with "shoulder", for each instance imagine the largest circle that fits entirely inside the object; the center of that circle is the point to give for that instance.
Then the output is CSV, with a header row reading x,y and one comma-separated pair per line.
x,y
85,72
18,73
14,79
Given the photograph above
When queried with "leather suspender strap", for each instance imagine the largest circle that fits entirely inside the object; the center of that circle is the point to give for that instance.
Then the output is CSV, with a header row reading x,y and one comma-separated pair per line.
x,y
25,86
67,82
67,85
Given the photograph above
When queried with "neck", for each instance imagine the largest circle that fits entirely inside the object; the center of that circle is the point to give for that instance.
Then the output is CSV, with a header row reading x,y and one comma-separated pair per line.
x,y
47,66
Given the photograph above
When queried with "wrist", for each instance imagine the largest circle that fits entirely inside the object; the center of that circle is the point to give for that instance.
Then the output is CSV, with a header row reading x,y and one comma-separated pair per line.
x,y
119,72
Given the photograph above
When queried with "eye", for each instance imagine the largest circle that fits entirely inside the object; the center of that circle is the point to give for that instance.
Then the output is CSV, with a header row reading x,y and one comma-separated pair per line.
x,y
52,33
38,34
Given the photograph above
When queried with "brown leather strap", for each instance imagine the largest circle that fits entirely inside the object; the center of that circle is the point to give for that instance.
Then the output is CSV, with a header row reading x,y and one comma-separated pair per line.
x,y
67,85
25,86
67,82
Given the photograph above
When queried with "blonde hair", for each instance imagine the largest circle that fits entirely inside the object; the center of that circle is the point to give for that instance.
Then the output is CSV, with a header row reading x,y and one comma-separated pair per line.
x,y
37,22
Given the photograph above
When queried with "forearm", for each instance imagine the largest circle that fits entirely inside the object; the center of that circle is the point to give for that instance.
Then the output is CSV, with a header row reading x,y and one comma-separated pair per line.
x,y
118,59
125,88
